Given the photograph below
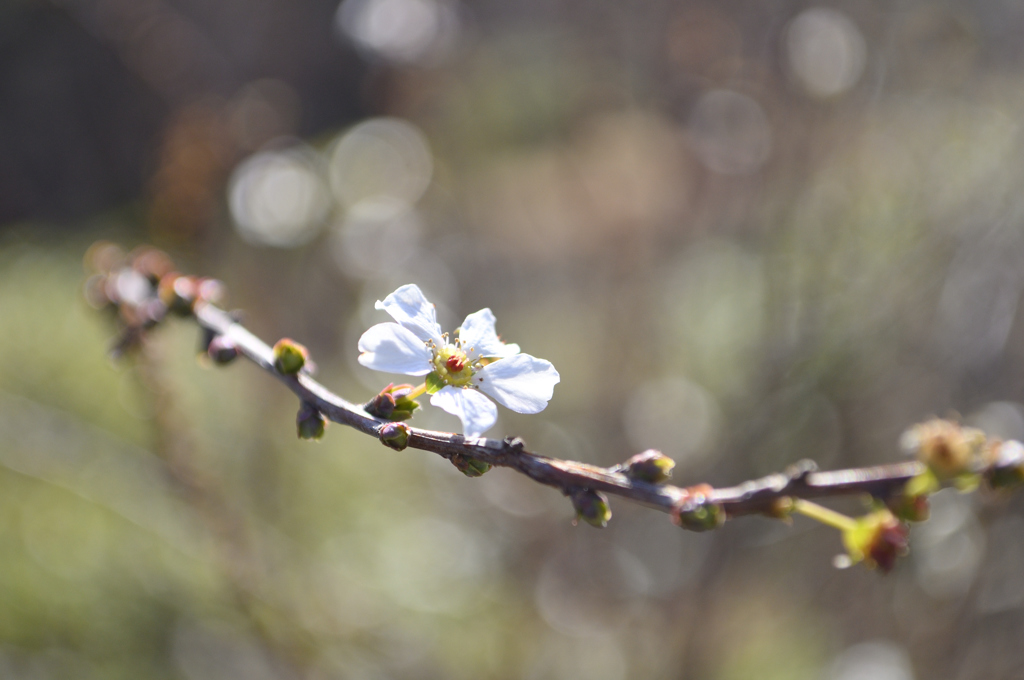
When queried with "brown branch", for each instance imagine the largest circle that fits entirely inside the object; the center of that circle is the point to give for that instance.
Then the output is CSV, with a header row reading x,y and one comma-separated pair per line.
x,y
757,496
767,495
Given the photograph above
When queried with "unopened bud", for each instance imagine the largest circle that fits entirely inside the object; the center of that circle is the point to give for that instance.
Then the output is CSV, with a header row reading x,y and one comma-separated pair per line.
x,y
912,505
592,507
951,451
650,466
910,508
469,466
392,403
222,350
309,422
697,512
877,539
177,292
289,356
395,435
381,406
1007,467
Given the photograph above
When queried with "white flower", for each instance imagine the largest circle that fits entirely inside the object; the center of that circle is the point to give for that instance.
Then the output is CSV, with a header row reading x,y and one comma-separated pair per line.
x,y
476,361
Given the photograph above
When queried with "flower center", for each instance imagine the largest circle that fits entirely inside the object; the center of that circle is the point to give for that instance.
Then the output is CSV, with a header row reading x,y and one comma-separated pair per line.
x,y
456,363
453,366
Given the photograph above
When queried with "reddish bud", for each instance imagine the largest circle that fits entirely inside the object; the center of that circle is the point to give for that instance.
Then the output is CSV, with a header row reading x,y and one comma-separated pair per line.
x,y
222,350
395,435
177,292
877,539
392,403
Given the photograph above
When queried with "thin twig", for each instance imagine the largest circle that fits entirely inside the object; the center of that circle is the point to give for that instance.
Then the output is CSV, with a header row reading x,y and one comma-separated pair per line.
x,y
757,496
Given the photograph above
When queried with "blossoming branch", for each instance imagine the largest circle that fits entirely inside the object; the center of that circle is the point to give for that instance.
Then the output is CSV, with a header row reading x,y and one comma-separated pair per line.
x,y
461,372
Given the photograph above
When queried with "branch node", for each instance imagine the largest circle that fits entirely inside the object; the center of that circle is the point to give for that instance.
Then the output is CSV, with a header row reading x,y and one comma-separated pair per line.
x,y
800,470
696,511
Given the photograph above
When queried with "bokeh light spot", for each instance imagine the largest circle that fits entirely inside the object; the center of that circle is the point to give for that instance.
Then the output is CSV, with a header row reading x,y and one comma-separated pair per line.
x,y
398,30
730,132
826,51
278,198
380,158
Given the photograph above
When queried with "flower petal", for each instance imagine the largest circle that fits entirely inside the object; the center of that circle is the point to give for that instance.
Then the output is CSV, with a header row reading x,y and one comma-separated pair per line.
x,y
521,383
391,348
479,338
412,310
477,413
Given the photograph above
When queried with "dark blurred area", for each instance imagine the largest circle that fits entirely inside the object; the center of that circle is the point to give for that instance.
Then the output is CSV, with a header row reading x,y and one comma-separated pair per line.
x,y
745,233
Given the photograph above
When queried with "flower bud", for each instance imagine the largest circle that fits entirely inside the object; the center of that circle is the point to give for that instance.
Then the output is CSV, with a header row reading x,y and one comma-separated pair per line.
x,y
392,403
912,505
1007,467
177,292
650,466
309,422
952,452
910,508
289,356
877,539
696,512
222,350
469,466
395,435
592,507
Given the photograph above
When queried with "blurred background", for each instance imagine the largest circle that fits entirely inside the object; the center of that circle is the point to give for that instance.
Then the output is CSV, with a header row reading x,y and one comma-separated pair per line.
x,y
745,233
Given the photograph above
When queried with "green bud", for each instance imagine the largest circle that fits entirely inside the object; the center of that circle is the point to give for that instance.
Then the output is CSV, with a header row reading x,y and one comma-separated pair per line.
x,y
650,466
912,505
309,422
222,350
395,435
592,507
392,403
289,356
910,508
696,513
469,466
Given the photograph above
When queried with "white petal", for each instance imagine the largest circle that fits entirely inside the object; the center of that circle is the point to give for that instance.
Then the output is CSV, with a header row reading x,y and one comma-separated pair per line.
x,y
521,383
391,348
479,338
412,310
477,413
